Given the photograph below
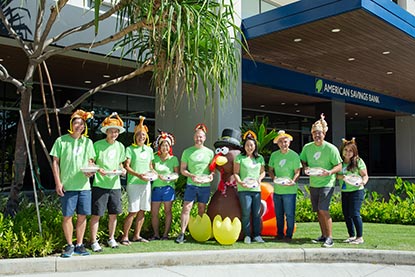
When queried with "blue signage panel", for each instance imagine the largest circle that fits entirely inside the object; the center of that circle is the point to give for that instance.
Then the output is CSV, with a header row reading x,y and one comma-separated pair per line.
x,y
283,79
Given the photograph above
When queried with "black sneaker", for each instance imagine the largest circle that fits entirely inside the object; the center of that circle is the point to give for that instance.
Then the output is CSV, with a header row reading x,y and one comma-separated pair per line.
x,y
180,239
81,250
328,242
319,240
68,251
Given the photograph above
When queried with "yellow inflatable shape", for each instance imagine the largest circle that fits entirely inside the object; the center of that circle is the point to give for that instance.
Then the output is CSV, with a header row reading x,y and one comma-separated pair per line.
x,y
226,232
200,228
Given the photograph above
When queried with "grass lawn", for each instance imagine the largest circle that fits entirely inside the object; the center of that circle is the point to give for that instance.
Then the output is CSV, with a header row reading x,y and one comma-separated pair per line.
x,y
376,236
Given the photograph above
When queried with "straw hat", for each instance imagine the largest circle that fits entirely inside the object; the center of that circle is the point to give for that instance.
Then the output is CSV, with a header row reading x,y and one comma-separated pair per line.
x,y
282,134
110,122
82,115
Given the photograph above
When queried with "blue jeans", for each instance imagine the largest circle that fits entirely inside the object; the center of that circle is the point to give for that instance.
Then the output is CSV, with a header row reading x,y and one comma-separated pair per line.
x,y
284,204
250,205
351,204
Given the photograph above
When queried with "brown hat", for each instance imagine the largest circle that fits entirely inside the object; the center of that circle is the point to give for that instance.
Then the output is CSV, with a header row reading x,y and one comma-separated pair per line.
x,y
141,128
82,115
320,125
111,122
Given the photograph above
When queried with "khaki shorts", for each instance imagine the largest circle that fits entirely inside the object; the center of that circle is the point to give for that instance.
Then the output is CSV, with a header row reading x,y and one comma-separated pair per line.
x,y
139,197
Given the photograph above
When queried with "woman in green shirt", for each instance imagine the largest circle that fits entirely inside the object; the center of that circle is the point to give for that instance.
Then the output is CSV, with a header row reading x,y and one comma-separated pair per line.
x,y
167,167
249,170
352,190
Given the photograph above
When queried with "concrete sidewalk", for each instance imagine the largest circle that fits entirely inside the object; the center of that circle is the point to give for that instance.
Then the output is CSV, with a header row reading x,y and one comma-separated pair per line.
x,y
242,256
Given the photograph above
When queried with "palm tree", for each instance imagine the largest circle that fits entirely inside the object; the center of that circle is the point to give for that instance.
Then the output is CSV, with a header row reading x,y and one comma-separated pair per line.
x,y
185,43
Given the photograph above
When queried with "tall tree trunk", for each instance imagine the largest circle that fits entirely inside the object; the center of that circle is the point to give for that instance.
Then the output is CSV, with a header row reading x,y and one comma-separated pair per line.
x,y
20,153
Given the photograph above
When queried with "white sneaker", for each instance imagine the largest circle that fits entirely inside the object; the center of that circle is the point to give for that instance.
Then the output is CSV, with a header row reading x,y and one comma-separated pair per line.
x,y
247,240
258,239
112,243
96,247
357,241
349,239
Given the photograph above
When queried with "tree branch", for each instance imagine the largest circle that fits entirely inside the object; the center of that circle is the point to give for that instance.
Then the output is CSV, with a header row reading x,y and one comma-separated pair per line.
x,y
38,25
41,35
90,24
5,77
25,47
69,107
107,40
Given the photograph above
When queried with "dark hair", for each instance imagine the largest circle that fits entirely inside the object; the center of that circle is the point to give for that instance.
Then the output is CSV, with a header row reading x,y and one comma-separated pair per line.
x,y
353,161
255,153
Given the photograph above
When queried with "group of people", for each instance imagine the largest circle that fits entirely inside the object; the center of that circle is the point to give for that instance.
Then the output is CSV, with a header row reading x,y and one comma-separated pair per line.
x,y
151,177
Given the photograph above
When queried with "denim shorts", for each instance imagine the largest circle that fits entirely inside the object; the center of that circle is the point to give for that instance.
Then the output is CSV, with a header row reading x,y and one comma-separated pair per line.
x,y
320,198
106,199
198,194
162,194
76,201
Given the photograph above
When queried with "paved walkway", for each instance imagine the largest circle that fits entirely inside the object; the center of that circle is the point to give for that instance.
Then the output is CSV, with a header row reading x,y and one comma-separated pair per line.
x,y
249,270
198,259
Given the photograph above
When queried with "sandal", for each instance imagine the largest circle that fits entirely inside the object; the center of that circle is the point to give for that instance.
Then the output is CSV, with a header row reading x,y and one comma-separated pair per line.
x,y
140,240
154,238
125,242
164,238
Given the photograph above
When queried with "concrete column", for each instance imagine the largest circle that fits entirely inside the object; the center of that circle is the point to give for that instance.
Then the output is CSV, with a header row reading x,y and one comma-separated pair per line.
x,y
405,145
182,119
335,117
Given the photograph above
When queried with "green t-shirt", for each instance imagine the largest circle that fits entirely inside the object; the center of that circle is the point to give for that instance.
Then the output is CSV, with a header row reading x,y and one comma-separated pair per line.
x,y
249,167
325,156
73,154
164,168
284,165
108,157
140,159
345,186
197,160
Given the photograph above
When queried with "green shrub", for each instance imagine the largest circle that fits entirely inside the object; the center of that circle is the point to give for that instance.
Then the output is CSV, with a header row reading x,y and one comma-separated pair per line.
x,y
20,237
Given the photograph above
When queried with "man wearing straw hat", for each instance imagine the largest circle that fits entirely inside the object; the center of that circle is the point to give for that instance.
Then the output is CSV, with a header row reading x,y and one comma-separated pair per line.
x,y
70,153
106,189
321,160
284,164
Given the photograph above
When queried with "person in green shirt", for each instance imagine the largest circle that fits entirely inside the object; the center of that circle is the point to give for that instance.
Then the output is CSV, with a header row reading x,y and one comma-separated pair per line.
x,y
284,164
106,189
71,153
249,170
167,167
321,160
138,163
352,193
195,166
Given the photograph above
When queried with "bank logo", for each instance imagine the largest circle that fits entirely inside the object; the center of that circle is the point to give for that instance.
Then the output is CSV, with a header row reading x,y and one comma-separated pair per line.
x,y
317,155
319,85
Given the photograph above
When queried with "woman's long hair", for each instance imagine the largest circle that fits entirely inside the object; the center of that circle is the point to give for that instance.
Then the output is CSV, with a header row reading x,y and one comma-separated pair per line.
x,y
255,153
354,160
